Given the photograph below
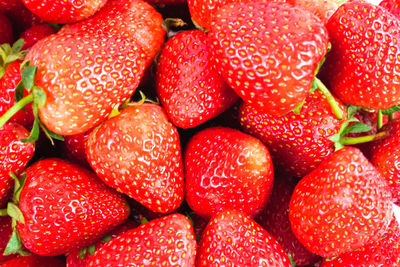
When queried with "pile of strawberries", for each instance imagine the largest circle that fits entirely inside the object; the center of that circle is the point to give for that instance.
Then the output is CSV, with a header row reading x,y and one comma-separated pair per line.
x,y
199,133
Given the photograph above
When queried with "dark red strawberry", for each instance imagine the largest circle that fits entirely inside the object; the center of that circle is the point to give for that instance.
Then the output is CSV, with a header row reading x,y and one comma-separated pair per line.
x,y
22,19
34,261
298,142
138,153
341,206
14,156
384,252
168,241
275,219
5,234
66,11
35,33
385,155
79,258
74,148
188,85
6,30
227,169
362,67
392,5
231,238
66,207
7,5
268,52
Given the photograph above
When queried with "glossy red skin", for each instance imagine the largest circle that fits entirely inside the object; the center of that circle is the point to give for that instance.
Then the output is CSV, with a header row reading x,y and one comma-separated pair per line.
x,y
275,219
74,148
73,259
341,206
227,169
35,33
34,261
14,156
391,5
6,30
168,241
66,207
232,238
269,65
384,252
135,19
323,9
7,5
138,153
82,89
23,19
67,11
298,142
5,234
362,70
187,82
385,154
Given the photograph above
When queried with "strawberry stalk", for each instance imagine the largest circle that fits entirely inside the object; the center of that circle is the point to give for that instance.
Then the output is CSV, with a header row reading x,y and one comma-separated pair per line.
x,y
362,139
14,109
331,100
379,119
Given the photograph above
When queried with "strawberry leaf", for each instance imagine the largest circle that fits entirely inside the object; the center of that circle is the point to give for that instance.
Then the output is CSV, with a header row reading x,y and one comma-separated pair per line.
x,y
91,249
357,128
17,46
19,92
352,110
34,136
14,244
82,253
106,238
39,96
28,76
391,110
14,212
18,185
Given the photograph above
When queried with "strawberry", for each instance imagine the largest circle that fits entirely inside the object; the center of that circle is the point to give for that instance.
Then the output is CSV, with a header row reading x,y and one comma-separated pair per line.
x,y
362,67
225,168
22,18
385,153
298,142
193,92
233,239
35,33
7,5
323,9
267,52
6,30
14,156
383,252
138,153
391,5
68,11
5,234
34,261
168,241
66,207
74,148
275,219
340,206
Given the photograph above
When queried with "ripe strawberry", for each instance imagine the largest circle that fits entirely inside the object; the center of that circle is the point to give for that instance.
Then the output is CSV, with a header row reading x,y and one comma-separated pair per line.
x,y
227,169
7,5
233,239
6,30
298,142
34,261
362,67
74,148
22,18
14,156
391,5
138,153
67,11
385,153
384,252
66,207
323,9
5,234
35,33
267,52
340,206
168,241
275,219
187,83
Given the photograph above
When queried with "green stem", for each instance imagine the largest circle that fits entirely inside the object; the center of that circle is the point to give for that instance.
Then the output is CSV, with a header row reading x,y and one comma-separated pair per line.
x,y
3,212
14,109
362,139
379,119
334,105
390,117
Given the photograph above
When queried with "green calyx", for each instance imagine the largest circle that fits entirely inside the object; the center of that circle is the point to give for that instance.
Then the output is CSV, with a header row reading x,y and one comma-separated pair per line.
x,y
9,54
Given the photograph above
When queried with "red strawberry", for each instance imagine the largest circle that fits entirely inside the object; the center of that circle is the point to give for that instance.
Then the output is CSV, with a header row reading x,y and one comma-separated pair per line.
x,y
340,206
7,5
14,156
323,9
138,153
362,67
34,261
267,52
74,148
168,241
227,169
298,142
66,207
22,18
187,83
6,30
35,33
275,219
233,239
384,252
67,11
385,154
392,5
79,259
5,234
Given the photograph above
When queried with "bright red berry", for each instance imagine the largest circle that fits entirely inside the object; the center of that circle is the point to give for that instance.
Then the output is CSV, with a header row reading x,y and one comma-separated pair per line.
x,y
35,33
34,261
